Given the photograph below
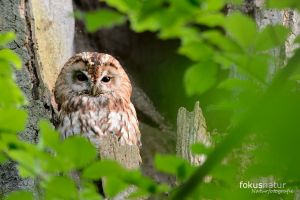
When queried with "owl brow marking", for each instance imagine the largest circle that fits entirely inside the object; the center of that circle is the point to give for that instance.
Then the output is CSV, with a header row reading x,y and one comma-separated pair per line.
x,y
109,64
92,70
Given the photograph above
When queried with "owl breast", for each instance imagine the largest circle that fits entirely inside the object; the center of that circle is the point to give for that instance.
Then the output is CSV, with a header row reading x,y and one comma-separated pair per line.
x,y
94,119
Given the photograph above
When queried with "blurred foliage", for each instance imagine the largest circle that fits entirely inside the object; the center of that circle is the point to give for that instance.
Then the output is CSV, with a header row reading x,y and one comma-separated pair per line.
x,y
101,16
261,98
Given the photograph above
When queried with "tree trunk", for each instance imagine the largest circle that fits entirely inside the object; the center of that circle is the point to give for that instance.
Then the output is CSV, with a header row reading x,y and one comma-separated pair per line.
x,y
44,41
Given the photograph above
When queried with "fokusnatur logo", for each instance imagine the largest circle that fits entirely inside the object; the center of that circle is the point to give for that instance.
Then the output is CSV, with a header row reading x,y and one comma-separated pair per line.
x,y
266,187
253,185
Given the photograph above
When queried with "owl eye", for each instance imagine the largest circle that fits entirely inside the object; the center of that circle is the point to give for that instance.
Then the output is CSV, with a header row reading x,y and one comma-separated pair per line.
x,y
80,76
105,79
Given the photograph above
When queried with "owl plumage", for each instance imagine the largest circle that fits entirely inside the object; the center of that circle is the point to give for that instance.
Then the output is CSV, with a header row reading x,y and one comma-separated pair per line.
x,y
92,93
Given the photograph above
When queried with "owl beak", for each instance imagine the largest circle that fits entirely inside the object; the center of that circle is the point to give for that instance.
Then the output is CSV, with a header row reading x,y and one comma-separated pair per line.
x,y
94,90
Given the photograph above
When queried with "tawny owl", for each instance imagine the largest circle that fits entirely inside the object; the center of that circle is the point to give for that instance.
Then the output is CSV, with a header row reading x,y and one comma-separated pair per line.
x,y
93,93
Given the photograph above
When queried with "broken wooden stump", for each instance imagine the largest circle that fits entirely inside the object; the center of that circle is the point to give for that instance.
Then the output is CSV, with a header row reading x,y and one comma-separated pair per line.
x,y
191,129
127,155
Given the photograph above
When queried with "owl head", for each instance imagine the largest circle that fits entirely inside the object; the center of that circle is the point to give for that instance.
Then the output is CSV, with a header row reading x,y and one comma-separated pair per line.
x,y
94,75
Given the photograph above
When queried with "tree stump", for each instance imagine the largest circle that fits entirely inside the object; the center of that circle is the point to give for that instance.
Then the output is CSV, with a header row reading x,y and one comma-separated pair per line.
x,y
127,155
191,129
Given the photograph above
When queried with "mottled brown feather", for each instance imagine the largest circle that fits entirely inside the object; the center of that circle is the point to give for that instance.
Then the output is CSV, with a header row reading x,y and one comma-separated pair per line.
x,y
110,111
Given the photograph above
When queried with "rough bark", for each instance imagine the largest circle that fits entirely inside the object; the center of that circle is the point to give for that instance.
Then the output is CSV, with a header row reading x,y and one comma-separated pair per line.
x,y
14,17
41,57
127,155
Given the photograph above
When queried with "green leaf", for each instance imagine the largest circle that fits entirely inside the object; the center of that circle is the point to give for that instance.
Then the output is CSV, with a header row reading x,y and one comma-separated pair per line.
x,y
295,77
200,77
186,34
3,159
101,19
211,19
221,41
124,5
282,4
103,168
12,120
10,94
11,57
48,136
236,2
7,37
199,148
10,142
196,51
184,6
213,5
49,162
258,67
25,172
239,85
27,163
241,28
113,186
173,165
153,16
253,66
77,152
135,177
224,62
297,39
152,23
111,169
24,195
138,194
167,163
60,188
272,36
88,191
6,70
